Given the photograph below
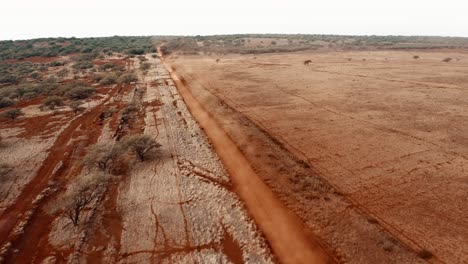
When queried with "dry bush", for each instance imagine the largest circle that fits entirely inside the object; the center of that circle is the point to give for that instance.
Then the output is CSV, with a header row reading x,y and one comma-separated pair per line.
x,y
103,156
109,79
5,171
415,57
425,254
79,93
80,195
145,66
128,78
76,107
447,59
12,113
5,102
52,101
144,146
307,62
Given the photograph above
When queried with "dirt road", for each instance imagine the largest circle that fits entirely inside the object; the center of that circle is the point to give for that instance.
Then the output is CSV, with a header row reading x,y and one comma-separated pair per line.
x,y
285,232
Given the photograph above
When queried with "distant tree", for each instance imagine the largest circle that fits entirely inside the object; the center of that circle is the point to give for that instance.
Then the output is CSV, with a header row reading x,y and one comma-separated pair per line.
x,y
144,146
12,113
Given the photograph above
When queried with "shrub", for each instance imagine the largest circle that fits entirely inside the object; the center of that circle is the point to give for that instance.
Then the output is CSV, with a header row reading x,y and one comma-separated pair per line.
x,y
128,78
76,106
425,254
144,146
80,92
307,62
5,102
109,79
5,171
52,101
82,65
415,57
35,75
145,66
9,78
12,113
447,59
104,156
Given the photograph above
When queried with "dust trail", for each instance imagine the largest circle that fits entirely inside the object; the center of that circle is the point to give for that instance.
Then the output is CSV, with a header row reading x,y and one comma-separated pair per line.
x,y
287,235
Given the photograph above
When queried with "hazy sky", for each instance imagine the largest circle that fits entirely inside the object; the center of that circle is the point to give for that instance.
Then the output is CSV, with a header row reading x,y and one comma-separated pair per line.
x,y
20,19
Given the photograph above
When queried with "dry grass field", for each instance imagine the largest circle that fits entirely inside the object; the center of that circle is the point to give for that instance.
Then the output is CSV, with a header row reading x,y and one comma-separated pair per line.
x,y
382,136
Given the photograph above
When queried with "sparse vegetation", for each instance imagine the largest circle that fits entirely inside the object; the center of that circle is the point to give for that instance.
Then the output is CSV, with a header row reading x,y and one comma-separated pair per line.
x,y
447,60
415,57
145,66
307,62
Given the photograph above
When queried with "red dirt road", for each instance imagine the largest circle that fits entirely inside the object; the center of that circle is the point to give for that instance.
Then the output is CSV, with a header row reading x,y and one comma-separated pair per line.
x,y
286,233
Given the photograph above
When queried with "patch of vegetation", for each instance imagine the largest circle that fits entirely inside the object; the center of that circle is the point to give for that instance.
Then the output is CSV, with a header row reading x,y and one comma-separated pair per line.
x,y
51,47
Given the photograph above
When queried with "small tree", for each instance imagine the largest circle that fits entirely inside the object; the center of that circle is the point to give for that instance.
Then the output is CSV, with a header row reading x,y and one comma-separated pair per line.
x,y
52,101
80,196
144,146
103,155
12,113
